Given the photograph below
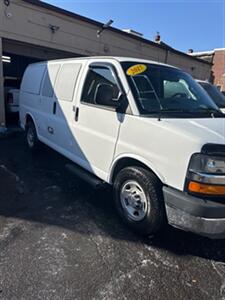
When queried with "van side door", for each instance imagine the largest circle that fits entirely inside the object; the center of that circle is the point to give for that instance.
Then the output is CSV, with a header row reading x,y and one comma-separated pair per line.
x,y
95,127
47,103
63,99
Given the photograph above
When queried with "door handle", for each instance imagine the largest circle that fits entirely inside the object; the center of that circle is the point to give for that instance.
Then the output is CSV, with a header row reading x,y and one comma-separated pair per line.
x,y
76,110
50,130
54,108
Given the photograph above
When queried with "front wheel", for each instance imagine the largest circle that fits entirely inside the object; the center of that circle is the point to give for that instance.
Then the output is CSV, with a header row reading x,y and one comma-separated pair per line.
x,y
139,200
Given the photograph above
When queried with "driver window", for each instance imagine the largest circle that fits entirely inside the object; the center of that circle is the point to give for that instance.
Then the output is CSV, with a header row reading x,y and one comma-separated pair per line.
x,y
96,76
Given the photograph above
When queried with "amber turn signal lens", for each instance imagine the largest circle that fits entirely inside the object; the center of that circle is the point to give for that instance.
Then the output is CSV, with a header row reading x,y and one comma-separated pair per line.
x,y
208,189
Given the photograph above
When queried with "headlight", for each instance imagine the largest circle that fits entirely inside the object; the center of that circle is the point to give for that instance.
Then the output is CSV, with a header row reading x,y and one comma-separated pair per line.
x,y
206,175
207,164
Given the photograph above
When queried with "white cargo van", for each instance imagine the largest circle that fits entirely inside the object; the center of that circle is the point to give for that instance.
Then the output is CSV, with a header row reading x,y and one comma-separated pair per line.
x,y
146,128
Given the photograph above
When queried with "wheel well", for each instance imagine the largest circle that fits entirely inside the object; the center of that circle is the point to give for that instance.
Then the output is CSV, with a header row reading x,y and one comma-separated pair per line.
x,y
129,162
29,119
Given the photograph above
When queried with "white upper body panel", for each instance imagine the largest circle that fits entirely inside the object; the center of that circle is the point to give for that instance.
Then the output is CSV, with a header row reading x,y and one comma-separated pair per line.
x,y
165,145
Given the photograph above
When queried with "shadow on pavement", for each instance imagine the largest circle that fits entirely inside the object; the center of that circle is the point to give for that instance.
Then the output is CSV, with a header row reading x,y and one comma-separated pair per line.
x,y
38,189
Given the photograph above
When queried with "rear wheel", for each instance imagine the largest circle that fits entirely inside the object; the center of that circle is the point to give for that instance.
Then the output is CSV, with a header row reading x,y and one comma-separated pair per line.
x,y
31,137
139,200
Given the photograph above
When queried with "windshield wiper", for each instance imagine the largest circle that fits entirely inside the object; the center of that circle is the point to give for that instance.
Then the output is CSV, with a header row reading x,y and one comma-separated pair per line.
x,y
164,111
176,110
214,112
211,111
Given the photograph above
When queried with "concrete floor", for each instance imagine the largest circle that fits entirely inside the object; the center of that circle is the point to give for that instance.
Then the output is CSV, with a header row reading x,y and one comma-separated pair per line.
x,y
61,239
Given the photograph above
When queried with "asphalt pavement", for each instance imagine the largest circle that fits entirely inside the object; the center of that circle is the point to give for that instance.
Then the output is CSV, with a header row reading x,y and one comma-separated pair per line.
x,y
62,239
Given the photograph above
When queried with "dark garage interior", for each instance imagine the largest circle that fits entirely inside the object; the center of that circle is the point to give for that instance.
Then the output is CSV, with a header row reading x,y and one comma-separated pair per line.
x,y
13,69
16,57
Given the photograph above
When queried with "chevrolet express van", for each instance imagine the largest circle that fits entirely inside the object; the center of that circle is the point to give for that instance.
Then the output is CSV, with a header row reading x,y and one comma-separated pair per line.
x,y
146,128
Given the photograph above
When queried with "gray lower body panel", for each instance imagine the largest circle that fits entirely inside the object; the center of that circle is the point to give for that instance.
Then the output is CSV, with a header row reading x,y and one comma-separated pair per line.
x,y
212,228
204,217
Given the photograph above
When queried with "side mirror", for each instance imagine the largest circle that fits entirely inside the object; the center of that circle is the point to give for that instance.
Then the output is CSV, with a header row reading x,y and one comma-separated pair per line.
x,y
104,95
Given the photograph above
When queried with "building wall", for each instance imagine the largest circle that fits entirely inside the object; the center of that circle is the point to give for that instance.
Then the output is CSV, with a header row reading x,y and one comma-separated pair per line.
x,y
197,70
30,30
34,51
29,23
218,69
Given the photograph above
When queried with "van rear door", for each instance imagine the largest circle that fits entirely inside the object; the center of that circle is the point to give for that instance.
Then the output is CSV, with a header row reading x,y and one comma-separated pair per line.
x,y
29,98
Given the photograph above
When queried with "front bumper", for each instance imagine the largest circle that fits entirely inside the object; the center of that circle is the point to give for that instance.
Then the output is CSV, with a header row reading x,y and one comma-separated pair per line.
x,y
197,215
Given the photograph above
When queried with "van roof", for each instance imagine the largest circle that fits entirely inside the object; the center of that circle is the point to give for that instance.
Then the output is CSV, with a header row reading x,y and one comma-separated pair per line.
x,y
117,58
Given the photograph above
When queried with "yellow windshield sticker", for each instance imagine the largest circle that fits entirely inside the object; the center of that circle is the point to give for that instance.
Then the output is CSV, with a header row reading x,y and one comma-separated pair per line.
x,y
136,69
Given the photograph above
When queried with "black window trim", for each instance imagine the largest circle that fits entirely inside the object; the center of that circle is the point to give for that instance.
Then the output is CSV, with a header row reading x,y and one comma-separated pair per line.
x,y
112,68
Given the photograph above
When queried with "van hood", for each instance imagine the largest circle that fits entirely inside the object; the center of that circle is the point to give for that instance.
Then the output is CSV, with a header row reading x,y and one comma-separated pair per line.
x,y
200,131
166,145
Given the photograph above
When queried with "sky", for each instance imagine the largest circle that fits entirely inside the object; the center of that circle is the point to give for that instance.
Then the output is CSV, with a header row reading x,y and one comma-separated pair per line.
x,y
183,24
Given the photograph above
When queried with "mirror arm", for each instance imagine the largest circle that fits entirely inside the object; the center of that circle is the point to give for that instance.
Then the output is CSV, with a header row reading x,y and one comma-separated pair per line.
x,y
122,103
121,94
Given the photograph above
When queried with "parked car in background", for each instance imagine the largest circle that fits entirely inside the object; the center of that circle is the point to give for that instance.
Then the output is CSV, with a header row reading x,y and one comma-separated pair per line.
x,y
214,93
147,129
12,100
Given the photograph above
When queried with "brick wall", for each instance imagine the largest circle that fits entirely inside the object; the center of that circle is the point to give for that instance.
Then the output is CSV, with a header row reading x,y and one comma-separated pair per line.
x,y
218,70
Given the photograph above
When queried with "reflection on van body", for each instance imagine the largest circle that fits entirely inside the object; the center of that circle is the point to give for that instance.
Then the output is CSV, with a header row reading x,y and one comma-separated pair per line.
x,y
146,128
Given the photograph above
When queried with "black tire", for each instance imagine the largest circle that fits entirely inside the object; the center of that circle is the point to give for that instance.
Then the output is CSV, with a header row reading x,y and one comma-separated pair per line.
x,y
154,217
31,137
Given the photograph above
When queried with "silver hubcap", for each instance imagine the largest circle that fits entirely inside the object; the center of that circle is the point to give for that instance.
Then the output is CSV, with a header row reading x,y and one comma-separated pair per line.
x,y
30,137
133,200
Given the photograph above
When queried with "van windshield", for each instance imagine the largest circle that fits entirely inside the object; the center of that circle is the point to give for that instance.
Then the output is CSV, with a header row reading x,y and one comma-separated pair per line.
x,y
166,90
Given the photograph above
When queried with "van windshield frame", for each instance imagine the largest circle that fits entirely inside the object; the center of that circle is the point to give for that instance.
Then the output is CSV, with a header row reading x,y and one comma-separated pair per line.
x,y
166,91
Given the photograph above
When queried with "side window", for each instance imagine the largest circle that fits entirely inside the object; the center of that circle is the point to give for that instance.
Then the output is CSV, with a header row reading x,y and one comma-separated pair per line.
x,y
49,80
66,81
95,77
32,79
